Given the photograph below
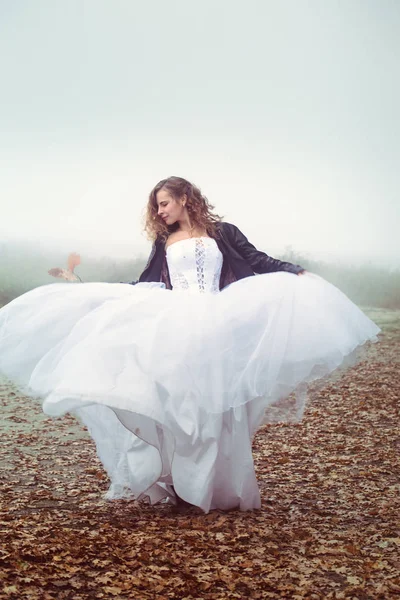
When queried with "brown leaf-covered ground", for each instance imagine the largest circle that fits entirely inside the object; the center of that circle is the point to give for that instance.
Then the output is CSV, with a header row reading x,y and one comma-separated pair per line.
x,y
328,527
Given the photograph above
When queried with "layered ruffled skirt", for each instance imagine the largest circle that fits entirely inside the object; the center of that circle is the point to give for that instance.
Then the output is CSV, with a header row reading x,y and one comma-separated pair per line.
x,y
173,385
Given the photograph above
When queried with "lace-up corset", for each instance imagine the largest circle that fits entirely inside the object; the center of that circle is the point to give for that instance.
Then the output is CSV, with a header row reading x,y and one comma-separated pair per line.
x,y
195,265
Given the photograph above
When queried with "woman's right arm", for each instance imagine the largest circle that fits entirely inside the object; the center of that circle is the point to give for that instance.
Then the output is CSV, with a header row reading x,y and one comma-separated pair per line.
x,y
151,255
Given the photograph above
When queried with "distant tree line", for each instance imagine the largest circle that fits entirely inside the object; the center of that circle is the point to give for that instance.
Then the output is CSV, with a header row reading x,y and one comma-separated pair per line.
x,y
24,266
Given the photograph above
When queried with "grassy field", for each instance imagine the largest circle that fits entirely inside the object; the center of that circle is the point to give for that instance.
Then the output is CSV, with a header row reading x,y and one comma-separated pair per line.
x,y
328,526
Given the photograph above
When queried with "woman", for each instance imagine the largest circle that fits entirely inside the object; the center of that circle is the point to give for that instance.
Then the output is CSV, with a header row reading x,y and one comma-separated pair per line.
x,y
177,210
173,385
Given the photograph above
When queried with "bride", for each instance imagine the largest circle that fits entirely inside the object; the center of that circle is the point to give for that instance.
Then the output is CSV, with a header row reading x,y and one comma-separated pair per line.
x,y
173,375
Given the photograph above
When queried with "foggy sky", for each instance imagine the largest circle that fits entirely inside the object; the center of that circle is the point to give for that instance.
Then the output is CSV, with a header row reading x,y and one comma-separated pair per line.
x,y
284,112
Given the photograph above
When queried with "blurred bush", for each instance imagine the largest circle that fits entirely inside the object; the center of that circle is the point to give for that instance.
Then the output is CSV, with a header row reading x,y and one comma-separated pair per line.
x,y
365,284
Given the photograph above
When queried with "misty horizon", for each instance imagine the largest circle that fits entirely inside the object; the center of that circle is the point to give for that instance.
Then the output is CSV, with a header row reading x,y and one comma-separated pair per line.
x,y
123,250
284,114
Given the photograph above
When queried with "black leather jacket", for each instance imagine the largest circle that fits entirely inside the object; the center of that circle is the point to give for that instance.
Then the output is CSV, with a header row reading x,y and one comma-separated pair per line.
x,y
240,259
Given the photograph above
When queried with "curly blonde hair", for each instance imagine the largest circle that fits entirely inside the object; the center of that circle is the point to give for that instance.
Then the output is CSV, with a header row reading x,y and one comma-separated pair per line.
x,y
200,210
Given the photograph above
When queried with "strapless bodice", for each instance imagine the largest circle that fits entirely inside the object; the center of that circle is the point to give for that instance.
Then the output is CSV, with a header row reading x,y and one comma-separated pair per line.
x,y
195,265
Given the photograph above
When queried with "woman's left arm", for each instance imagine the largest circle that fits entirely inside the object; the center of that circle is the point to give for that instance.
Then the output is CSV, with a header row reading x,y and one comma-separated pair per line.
x,y
259,261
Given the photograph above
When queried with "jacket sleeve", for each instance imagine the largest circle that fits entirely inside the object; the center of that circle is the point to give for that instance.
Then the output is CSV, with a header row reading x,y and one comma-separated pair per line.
x,y
141,276
259,261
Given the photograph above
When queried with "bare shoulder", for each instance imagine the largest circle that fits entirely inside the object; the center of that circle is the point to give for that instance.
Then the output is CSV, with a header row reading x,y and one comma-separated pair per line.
x,y
176,236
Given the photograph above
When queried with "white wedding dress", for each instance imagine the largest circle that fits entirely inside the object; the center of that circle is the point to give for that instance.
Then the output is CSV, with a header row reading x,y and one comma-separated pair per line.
x,y
172,385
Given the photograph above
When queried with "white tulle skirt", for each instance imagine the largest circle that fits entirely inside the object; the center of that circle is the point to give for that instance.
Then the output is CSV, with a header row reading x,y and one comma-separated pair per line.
x,y
172,385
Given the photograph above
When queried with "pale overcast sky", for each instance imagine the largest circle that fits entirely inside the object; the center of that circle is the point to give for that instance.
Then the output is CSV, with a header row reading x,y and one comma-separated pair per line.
x,y
284,112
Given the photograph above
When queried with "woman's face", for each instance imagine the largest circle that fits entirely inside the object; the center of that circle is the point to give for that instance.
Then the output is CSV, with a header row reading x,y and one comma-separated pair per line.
x,y
169,209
